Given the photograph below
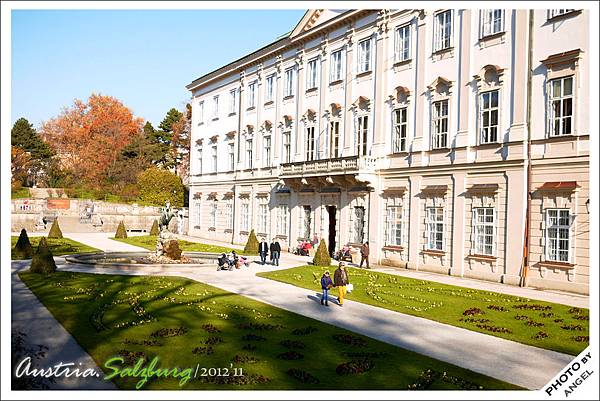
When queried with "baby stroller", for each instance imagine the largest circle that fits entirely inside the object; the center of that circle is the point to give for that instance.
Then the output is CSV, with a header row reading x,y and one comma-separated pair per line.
x,y
223,263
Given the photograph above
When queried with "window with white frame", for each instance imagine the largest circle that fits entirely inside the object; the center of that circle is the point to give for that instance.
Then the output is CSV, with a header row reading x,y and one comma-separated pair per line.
x,y
488,117
267,149
491,22
310,143
231,154
270,88
402,43
560,106
334,139
311,74
400,116
364,55
336,66
442,38
282,219
215,107
439,122
200,154
251,94
214,158
559,11
484,231
232,101
287,147
249,154
434,218
288,89
362,135
213,214
558,235
393,219
245,216
201,112
263,218
305,222
228,216
198,213
358,224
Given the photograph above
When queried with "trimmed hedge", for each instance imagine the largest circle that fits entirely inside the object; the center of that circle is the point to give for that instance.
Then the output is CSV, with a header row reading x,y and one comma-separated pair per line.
x,y
158,185
43,260
322,257
55,231
121,231
23,248
252,244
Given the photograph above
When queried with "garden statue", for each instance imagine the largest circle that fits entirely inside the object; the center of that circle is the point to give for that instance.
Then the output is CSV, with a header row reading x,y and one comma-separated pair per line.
x,y
166,243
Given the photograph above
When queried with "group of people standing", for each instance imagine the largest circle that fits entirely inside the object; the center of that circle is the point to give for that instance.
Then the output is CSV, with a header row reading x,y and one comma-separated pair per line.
x,y
274,248
340,281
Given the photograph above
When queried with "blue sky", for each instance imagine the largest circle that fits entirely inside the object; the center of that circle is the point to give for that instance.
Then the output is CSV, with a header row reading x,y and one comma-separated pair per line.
x,y
142,57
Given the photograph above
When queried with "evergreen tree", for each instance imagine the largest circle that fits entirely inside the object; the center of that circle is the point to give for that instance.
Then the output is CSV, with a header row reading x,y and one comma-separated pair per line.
x,y
23,248
121,231
322,257
55,231
24,136
43,260
171,118
251,247
154,229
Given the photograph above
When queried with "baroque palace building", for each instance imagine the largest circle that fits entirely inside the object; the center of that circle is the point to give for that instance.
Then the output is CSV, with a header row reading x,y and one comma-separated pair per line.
x,y
454,141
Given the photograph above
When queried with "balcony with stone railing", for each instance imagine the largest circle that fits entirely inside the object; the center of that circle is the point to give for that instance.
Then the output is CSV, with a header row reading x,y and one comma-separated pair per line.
x,y
340,171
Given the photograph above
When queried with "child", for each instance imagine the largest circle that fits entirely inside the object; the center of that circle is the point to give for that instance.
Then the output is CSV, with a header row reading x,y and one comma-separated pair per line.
x,y
326,284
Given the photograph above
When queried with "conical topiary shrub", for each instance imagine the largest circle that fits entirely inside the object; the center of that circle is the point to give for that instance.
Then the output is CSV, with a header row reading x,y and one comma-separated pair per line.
x,y
322,257
23,248
55,230
43,261
252,244
121,231
154,229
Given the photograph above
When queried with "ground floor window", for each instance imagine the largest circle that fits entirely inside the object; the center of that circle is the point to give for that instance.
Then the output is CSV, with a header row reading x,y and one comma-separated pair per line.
x,y
245,216
393,232
213,214
198,213
435,228
305,221
263,218
282,219
228,215
484,230
558,230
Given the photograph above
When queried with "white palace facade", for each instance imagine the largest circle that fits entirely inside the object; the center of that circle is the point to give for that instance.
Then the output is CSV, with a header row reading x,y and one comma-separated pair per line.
x,y
454,141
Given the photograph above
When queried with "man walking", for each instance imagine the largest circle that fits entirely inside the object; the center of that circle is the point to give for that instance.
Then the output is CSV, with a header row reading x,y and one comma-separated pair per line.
x,y
263,250
364,254
275,249
340,280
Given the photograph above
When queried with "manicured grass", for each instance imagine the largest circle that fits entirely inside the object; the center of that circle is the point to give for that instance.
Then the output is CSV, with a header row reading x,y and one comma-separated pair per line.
x,y
541,324
64,246
149,242
201,325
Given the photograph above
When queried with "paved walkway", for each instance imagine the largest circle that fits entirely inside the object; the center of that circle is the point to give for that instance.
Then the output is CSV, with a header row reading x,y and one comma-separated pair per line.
x,y
513,362
31,317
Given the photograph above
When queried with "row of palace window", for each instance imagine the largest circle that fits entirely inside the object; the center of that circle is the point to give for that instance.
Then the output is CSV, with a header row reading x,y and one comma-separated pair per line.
x,y
557,231
560,122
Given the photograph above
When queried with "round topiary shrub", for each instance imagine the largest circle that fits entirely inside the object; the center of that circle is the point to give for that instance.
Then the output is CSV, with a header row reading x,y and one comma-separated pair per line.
x,y
23,248
252,244
154,229
322,257
121,231
43,261
55,230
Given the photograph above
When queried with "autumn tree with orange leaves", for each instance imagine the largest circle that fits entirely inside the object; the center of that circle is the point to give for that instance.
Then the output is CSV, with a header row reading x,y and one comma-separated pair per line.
x,y
89,137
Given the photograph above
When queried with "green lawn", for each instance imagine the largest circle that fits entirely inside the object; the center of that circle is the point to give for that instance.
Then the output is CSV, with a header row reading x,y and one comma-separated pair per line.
x,y
22,192
149,242
186,324
541,324
64,246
